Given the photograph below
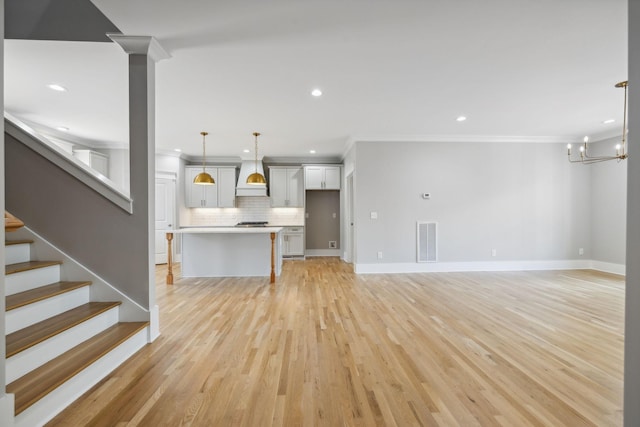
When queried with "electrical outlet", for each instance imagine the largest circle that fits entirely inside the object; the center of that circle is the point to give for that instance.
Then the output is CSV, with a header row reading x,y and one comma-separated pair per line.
x,y
333,244
374,215
379,254
494,252
334,215
581,251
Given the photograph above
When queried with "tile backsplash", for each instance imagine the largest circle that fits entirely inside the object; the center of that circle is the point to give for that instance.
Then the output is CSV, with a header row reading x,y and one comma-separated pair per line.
x,y
247,209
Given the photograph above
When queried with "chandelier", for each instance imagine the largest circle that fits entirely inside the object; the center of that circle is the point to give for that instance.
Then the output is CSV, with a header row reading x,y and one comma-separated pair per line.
x,y
621,149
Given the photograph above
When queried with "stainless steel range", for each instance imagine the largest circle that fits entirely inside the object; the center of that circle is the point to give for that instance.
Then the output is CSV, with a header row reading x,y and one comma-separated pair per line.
x,y
252,224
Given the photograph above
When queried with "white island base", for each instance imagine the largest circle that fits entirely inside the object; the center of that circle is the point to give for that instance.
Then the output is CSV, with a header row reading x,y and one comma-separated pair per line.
x,y
231,252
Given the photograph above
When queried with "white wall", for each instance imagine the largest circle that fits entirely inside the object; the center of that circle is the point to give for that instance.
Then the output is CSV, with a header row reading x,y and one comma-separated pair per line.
x,y
524,200
608,206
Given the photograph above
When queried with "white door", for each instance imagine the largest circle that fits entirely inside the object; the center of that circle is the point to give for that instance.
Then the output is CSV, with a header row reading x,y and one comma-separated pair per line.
x,y
165,211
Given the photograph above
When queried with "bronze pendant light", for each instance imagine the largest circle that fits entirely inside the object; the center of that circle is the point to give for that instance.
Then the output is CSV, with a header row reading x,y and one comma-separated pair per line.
x,y
256,178
203,178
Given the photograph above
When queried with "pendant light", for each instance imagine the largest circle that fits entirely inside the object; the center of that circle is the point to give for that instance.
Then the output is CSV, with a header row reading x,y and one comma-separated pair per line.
x,y
203,178
256,178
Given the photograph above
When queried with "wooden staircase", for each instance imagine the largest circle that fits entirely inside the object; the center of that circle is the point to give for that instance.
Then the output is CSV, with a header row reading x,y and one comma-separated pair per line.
x,y
59,342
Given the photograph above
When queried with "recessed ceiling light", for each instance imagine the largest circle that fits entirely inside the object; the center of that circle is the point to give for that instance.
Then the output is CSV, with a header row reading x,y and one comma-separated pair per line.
x,y
608,121
63,128
246,151
57,87
316,92
177,150
461,118
312,151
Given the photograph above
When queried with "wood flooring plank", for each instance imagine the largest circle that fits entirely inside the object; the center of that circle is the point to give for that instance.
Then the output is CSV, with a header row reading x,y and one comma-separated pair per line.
x,y
327,347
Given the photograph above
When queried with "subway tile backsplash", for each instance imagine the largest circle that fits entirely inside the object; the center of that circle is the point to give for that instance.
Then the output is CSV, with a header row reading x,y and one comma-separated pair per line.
x,y
247,209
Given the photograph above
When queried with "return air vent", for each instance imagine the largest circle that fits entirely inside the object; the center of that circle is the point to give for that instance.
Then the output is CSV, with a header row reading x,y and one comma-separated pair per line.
x,y
427,242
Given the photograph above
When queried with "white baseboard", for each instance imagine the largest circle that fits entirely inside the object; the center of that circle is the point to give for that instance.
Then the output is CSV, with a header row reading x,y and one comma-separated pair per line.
x,y
322,252
6,410
154,323
450,267
609,267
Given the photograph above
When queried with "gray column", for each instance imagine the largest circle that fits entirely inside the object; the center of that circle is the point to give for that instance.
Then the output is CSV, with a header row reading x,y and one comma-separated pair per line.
x,y
632,301
143,52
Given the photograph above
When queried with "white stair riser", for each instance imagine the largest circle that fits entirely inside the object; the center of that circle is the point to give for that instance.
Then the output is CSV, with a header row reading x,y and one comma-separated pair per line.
x,y
22,317
31,358
31,279
53,403
14,254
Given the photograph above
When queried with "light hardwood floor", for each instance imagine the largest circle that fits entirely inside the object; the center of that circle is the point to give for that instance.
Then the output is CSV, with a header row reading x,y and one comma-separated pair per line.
x,y
329,348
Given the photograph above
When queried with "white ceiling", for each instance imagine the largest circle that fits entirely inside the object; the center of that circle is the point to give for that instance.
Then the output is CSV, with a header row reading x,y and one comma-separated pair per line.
x,y
540,70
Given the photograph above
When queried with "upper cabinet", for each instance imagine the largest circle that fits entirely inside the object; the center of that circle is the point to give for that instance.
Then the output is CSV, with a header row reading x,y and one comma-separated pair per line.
x,y
322,177
95,160
286,186
220,195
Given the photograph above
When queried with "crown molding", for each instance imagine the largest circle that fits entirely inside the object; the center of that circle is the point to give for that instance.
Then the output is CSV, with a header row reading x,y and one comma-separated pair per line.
x,y
140,45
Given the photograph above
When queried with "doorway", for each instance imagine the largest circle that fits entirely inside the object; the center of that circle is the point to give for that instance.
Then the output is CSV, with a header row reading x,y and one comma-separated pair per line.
x,y
165,216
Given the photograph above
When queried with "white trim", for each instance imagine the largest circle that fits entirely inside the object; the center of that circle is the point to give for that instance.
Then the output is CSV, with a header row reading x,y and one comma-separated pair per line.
x,y
609,267
446,267
154,324
552,139
140,45
7,405
322,252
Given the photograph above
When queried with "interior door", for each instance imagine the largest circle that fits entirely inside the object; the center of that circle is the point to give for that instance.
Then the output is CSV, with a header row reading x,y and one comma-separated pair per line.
x,y
165,212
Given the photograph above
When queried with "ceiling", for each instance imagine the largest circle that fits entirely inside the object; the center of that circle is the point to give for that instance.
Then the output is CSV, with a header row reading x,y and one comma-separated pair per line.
x,y
390,70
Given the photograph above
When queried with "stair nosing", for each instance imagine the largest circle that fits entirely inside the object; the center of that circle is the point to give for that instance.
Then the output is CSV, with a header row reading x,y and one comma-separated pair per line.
x,y
20,267
35,375
17,242
99,307
17,300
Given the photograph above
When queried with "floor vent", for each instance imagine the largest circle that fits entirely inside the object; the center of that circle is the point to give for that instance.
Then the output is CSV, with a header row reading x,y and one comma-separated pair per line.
x,y
427,242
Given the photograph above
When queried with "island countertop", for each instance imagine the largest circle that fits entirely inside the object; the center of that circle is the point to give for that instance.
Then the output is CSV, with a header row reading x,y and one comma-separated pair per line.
x,y
227,230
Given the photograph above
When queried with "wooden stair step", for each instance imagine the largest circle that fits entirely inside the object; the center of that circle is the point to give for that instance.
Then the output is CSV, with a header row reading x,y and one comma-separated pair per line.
x,y
31,335
28,265
11,223
34,295
17,242
38,383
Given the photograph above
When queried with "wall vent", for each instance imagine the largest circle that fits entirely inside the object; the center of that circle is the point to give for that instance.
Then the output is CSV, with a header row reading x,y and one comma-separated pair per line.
x,y
427,242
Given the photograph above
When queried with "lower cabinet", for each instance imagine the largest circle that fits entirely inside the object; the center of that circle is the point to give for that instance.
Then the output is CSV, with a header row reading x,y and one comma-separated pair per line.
x,y
293,241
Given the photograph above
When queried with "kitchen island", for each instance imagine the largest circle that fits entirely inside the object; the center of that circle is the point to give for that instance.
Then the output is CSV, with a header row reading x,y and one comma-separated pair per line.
x,y
228,252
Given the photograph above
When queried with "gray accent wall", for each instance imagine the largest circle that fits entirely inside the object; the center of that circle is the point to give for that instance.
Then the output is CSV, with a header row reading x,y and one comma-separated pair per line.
x,y
524,200
320,224
103,237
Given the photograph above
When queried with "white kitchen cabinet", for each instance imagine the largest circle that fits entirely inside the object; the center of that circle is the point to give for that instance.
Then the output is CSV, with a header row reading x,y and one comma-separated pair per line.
x,y
219,195
322,177
96,161
226,187
286,186
293,241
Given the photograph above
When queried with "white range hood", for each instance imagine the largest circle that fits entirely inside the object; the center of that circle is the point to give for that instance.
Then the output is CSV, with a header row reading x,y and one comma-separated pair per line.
x,y
242,188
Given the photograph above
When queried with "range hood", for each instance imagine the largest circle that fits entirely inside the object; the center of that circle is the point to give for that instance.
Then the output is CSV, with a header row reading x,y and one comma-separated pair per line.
x,y
242,188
